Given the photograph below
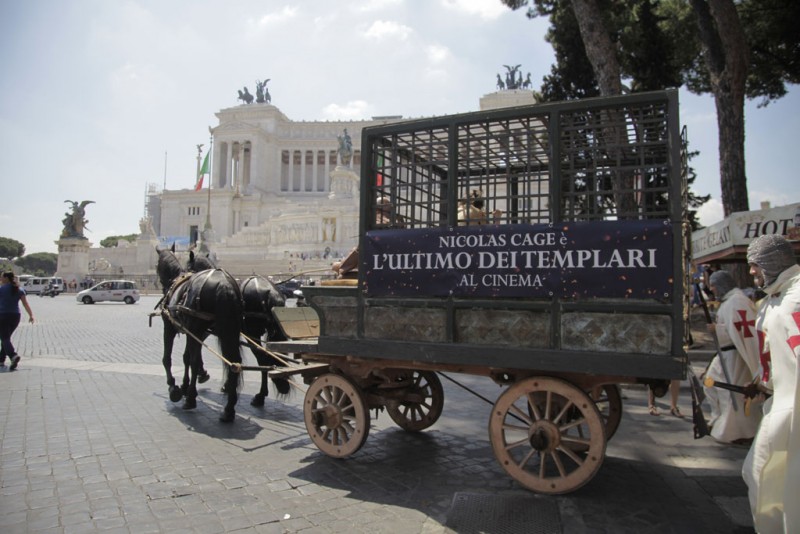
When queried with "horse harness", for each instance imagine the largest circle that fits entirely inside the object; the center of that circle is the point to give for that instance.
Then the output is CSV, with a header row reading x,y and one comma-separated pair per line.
x,y
185,307
264,313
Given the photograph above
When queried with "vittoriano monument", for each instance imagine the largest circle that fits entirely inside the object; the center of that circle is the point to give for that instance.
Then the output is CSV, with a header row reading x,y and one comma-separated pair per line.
x,y
262,93
513,79
75,222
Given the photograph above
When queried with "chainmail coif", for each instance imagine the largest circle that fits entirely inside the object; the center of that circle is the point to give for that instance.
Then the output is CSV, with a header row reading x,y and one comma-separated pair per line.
x,y
773,253
721,282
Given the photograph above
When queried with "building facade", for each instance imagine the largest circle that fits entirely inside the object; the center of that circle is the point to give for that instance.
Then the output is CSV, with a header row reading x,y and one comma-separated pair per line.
x,y
283,199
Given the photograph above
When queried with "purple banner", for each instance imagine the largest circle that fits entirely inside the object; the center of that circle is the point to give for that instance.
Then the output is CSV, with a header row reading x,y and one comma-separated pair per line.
x,y
617,259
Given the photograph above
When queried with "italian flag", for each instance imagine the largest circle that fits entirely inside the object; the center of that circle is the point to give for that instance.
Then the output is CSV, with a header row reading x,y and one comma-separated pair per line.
x,y
379,174
203,171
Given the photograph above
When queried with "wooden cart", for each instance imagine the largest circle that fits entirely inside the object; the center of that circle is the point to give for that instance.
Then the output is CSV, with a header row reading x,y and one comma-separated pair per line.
x,y
567,280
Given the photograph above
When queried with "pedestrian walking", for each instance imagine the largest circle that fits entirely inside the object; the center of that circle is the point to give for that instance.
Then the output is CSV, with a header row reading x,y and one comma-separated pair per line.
x,y
674,392
772,467
10,297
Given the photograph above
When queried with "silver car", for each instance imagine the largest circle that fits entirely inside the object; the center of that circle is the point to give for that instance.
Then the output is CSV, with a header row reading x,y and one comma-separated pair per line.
x,y
110,290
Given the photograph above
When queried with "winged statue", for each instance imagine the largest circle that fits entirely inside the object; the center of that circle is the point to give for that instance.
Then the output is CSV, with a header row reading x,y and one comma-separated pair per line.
x,y
75,222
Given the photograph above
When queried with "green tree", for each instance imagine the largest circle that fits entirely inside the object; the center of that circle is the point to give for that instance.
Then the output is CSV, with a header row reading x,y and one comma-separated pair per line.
x,y
749,48
39,263
571,76
726,59
11,248
111,241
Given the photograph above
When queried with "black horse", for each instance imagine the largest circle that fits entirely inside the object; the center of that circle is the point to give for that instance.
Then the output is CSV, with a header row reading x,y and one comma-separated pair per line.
x,y
169,270
260,296
199,304
196,263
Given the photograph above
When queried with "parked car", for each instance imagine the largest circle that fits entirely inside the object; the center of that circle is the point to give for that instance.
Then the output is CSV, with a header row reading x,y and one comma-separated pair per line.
x,y
36,284
110,290
288,288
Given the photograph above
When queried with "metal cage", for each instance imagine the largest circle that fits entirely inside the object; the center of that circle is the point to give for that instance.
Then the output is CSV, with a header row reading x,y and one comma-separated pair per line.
x,y
603,160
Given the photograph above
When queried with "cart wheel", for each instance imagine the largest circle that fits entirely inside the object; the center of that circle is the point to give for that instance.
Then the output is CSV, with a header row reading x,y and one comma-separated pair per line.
x,y
548,435
422,405
337,418
608,399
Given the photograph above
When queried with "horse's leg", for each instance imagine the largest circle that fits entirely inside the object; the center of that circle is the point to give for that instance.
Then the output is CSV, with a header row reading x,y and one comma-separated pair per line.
x,y
202,374
274,333
169,340
187,362
191,357
230,349
253,332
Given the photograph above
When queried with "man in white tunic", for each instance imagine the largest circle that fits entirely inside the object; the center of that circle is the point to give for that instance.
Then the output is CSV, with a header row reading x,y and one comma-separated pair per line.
x,y
735,329
772,467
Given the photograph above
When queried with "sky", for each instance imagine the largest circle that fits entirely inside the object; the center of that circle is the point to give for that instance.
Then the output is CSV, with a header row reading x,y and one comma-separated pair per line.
x,y
99,98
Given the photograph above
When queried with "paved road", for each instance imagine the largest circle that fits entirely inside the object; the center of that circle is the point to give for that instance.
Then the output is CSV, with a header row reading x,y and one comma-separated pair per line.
x,y
90,442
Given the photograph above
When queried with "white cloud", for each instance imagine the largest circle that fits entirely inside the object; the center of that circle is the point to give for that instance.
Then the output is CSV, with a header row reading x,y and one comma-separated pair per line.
x,y
277,17
353,110
376,5
711,212
438,53
485,9
381,29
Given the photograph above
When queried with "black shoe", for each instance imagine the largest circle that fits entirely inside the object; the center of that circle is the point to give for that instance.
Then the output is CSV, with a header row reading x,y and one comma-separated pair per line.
x,y
14,362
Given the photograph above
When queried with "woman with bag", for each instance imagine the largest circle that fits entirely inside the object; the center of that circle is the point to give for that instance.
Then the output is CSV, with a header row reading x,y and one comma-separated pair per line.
x,y
10,297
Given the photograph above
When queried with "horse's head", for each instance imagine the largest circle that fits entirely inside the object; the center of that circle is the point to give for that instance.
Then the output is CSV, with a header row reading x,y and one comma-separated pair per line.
x,y
168,268
260,296
199,263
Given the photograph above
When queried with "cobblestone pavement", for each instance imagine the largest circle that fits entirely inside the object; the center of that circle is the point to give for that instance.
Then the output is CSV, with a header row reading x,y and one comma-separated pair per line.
x,y
91,442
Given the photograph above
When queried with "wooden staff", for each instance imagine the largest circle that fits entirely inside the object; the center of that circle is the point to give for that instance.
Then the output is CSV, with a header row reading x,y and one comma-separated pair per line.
x,y
748,391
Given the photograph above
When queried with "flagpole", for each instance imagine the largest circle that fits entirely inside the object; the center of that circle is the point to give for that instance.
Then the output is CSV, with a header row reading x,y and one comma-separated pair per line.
x,y
199,158
210,179
207,228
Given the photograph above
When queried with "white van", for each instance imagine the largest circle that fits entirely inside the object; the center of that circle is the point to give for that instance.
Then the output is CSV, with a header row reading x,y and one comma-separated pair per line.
x,y
36,284
110,290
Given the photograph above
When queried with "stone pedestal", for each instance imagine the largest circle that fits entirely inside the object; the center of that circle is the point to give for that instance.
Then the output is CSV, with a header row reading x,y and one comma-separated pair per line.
x,y
73,258
207,238
507,98
344,183
146,255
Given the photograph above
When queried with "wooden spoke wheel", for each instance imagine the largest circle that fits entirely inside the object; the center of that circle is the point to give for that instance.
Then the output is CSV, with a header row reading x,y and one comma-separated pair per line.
x,y
336,415
608,399
548,435
422,403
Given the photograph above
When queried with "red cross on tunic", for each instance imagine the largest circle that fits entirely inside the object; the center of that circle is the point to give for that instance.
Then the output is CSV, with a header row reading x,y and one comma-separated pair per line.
x,y
794,341
764,356
744,325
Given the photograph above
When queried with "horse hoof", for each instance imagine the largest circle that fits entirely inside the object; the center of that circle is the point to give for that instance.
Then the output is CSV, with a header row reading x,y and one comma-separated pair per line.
x,y
227,416
190,404
203,378
258,400
175,394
